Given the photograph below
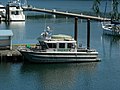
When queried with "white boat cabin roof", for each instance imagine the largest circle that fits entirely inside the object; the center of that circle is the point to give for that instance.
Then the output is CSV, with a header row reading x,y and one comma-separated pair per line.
x,y
60,41
59,38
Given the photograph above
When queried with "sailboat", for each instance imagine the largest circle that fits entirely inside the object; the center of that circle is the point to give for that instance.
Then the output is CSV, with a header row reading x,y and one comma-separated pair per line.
x,y
112,27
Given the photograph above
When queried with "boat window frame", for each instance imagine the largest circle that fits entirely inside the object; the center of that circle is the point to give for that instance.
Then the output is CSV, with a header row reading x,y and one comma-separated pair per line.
x,y
69,45
15,13
62,45
53,45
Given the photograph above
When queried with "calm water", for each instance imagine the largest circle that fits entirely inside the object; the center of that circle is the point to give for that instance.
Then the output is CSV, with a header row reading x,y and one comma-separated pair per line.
x,y
104,75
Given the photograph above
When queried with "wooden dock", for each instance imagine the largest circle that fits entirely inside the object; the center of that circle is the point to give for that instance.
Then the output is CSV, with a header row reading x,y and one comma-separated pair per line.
x,y
13,55
55,12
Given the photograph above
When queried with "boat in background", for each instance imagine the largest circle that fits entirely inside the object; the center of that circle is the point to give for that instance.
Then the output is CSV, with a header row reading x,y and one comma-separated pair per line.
x,y
12,11
16,11
112,27
57,48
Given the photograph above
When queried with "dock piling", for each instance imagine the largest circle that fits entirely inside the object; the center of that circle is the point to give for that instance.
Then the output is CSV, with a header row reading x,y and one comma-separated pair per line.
x,y
7,13
1,56
88,33
76,29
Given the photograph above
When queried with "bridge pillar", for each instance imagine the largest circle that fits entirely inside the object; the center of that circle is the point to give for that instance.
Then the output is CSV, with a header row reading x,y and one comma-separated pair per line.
x,y
76,29
88,33
7,13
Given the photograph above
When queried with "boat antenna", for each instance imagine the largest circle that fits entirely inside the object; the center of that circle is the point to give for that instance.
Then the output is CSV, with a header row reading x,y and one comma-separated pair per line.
x,y
45,22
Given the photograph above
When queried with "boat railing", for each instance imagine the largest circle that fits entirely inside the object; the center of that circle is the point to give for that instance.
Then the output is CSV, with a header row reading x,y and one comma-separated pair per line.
x,y
63,49
37,49
23,48
66,50
85,50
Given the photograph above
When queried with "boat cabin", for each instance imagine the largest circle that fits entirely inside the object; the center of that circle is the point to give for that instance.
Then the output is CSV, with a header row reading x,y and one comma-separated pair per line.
x,y
16,10
58,43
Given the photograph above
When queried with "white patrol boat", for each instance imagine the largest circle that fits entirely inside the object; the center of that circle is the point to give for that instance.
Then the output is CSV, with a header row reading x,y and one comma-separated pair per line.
x,y
57,48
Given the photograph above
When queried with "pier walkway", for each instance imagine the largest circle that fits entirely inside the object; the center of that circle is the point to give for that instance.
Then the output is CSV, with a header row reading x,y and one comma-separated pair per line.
x,y
55,12
13,55
10,55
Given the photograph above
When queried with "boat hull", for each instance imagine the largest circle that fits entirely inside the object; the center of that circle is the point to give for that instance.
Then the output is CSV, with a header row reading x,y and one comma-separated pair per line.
x,y
110,32
109,29
60,57
17,17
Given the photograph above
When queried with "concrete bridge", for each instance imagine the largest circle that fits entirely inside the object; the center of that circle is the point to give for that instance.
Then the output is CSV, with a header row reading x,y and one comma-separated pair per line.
x,y
55,12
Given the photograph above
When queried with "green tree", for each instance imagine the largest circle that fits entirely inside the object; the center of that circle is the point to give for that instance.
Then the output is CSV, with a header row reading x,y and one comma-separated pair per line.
x,y
115,13
95,7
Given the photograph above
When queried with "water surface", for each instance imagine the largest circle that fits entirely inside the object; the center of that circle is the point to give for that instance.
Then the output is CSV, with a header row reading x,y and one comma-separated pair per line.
x,y
104,75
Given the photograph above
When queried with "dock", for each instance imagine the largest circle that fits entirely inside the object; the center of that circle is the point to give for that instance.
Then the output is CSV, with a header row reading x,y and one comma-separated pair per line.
x,y
13,55
55,12
7,55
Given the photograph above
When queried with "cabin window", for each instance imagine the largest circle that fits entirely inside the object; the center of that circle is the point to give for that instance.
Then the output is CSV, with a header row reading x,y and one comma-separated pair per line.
x,y
49,45
13,12
61,45
52,45
18,7
69,45
17,13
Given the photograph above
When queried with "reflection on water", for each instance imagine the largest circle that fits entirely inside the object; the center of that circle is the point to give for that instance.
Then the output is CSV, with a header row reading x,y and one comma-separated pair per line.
x,y
60,76
104,75
29,76
110,45
18,29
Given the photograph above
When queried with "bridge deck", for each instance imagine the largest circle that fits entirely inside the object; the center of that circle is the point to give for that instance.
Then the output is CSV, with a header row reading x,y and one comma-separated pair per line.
x,y
66,14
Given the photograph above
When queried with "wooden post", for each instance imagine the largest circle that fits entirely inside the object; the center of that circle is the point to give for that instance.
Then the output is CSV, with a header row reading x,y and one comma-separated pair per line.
x,y
76,29
7,13
0,18
10,42
88,33
6,17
